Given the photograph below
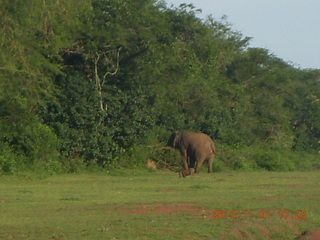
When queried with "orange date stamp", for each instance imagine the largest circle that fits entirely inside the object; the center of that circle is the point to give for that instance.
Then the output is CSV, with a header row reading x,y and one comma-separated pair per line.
x,y
259,214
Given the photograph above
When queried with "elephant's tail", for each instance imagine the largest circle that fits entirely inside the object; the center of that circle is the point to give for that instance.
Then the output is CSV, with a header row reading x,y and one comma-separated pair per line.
x,y
213,148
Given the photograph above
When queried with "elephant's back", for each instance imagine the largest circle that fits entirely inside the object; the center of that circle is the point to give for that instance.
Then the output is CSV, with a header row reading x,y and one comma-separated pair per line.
x,y
198,137
200,141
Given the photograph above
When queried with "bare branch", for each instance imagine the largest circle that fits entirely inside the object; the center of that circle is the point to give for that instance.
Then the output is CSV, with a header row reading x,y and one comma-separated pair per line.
x,y
117,65
99,83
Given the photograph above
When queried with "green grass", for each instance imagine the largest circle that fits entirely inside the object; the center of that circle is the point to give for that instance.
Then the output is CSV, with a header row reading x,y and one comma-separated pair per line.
x,y
138,204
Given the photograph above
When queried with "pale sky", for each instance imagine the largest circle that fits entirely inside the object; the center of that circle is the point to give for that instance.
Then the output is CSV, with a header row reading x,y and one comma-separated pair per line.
x,y
289,29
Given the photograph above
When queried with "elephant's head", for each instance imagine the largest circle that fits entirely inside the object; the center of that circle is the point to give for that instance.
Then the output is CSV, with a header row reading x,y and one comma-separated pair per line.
x,y
174,139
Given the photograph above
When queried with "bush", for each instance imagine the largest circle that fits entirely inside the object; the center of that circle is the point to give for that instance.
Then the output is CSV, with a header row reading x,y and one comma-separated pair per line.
x,y
268,157
164,157
218,165
274,159
243,163
8,163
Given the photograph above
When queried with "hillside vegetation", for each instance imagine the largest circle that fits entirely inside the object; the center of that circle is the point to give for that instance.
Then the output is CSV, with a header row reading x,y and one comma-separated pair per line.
x,y
105,82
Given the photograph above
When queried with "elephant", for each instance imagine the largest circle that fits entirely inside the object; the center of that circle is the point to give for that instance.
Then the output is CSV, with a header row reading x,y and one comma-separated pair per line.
x,y
198,147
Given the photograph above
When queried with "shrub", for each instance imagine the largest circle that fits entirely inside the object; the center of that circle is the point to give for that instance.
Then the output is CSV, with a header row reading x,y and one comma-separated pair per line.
x,y
8,164
274,159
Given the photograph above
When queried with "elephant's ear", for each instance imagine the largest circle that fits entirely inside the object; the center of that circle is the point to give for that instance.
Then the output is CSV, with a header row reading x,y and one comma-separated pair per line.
x,y
171,140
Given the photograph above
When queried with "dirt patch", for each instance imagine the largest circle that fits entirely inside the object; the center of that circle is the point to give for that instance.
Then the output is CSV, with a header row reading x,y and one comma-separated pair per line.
x,y
194,209
310,235
292,224
241,230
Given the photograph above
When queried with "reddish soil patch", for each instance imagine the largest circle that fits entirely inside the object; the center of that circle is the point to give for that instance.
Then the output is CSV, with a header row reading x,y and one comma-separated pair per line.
x,y
292,224
310,235
240,230
169,208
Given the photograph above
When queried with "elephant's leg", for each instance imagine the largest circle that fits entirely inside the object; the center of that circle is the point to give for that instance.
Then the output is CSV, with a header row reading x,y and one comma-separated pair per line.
x,y
199,164
210,163
184,159
192,162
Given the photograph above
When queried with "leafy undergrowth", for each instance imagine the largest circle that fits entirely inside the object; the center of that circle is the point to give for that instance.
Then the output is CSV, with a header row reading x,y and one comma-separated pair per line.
x,y
136,204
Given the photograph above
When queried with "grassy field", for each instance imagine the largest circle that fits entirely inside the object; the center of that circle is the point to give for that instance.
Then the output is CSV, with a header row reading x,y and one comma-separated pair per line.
x,y
142,204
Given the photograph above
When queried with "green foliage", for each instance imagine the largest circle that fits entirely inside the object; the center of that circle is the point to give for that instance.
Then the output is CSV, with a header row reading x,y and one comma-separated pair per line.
x,y
266,157
274,161
106,82
8,160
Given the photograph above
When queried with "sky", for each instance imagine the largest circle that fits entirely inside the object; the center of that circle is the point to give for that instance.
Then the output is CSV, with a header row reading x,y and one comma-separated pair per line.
x,y
289,29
